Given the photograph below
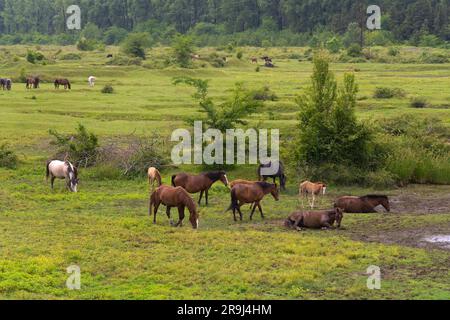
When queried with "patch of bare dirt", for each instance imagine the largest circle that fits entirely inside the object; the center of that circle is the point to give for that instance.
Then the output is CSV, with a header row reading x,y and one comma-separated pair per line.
x,y
421,201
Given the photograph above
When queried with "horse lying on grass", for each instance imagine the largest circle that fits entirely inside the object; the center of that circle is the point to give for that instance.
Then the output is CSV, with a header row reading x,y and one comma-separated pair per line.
x,y
315,219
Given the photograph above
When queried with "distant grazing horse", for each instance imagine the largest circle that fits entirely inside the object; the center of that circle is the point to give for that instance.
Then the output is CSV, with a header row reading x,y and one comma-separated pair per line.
x,y
366,204
91,81
6,84
315,219
63,82
63,170
254,60
280,173
201,183
314,189
33,82
251,193
154,176
174,198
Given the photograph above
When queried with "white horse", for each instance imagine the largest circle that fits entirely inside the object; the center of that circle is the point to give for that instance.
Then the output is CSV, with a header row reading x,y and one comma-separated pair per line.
x,y
91,80
63,170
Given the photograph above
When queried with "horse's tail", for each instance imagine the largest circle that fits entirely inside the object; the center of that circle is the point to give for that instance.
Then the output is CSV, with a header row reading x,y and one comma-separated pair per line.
x,y
173,180
47,170
234,201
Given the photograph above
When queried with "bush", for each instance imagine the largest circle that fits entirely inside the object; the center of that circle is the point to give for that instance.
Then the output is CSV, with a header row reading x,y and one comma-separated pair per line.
x,y
433,58
354,50
240,55
264,94
34,56
183,48
120,60
393,51
135,44
216,61
388,93
71,56
85,45
419,102
81,147
8,158
108,89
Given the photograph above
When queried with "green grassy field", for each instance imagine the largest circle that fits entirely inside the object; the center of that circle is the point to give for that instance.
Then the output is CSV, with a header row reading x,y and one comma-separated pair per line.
x,y
105,229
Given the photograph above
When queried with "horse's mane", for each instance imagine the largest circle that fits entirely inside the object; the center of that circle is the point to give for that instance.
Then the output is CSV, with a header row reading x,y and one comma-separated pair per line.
x,y
189,202
264,185
375,196
215,175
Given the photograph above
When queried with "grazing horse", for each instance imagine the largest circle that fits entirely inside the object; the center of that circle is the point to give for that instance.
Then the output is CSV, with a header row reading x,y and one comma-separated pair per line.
x,y
91,81
251,193
315,189
315,219
280,174
174,198
63,82
366,204
5,84
254,60
33,82
154,176
63,170
201,183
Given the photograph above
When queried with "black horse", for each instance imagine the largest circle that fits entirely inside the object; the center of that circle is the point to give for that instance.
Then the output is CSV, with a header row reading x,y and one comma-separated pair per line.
x,y
5,84
280,174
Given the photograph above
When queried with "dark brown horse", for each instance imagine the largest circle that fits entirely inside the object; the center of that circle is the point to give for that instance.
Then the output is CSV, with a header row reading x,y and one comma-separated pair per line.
x,y
278,174
174,198
315,219
33,82
251,193
201,183
63,82
366,204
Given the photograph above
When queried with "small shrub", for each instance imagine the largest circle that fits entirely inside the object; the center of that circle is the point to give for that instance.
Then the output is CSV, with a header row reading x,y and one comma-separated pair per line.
x,y
393,51
85,45
258,69
121,60
419,102
8,158
388,93
354,50
240,55
34,56
108,89
71,56
265,94
433,58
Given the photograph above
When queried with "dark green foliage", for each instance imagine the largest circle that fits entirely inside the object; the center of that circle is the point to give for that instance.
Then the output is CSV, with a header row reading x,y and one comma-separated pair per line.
x,y
8,159
81,147
85,44
135,44
183,48
354,50
108,89
388,93
71,56
34,56
264,94
419,102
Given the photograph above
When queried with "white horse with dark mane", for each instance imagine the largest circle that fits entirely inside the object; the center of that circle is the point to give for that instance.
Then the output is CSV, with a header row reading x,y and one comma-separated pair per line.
x,y
63,170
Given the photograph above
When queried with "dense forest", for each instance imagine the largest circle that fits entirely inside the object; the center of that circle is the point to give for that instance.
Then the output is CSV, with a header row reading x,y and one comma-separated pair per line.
x,y
278,22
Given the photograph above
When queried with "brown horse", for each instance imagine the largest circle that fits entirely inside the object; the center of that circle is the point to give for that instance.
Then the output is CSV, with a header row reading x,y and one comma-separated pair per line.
x,y
254,60
366,204
240,181
251,193
315,189
63,82
174,198
315,219
201,183
32,82
154,176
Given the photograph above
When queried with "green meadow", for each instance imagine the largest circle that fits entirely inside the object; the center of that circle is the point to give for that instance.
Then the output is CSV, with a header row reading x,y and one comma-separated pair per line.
x,y
105,228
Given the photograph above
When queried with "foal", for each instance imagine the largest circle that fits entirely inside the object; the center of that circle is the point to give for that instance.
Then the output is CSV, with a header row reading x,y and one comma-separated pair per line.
x,y
154,176
251,193
174,197
315,189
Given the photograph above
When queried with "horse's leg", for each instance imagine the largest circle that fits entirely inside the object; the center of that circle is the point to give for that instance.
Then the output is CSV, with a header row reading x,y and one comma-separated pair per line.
x,y
155,211
53,182
207,196
253,211
240,213
234,214
201,196
260,210
181,216
313,200
169,215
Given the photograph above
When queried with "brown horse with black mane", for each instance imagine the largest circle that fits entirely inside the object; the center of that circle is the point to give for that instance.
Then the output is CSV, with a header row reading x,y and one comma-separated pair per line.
x,y
251,193
200,183
174,198
366,204
32,82
63,82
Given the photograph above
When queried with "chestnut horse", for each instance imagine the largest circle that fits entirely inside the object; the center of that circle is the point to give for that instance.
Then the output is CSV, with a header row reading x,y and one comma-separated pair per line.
x,y
251,193
174,198
154,176
32,82
315,189
201,183
63,82
366,204
315,219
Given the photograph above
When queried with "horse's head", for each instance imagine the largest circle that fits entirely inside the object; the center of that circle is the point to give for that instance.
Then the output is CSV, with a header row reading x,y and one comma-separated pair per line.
x,y
385,204
275,192
323,188
339,215
73,177
194,219
224,178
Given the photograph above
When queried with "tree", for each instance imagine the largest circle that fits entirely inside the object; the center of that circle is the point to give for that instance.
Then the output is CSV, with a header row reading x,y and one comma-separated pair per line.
x,y
183,48
328,129
135,44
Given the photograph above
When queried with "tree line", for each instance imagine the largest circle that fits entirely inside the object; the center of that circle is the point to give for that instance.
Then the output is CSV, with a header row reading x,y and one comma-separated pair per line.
x,y
403,19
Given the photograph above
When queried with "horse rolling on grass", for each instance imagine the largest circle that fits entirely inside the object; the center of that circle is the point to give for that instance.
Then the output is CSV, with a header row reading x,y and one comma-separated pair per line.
x,y
174,197
315,219
315,189
366,204
63,170
200,183
63,82
279,174
251,193
154,176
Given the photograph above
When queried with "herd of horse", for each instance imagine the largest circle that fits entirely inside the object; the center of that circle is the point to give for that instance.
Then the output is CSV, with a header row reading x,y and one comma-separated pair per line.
x,y
33,82
242,192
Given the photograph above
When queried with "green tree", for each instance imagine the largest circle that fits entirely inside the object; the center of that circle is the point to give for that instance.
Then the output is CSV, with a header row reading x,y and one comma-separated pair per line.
x,y
183,48
135,44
